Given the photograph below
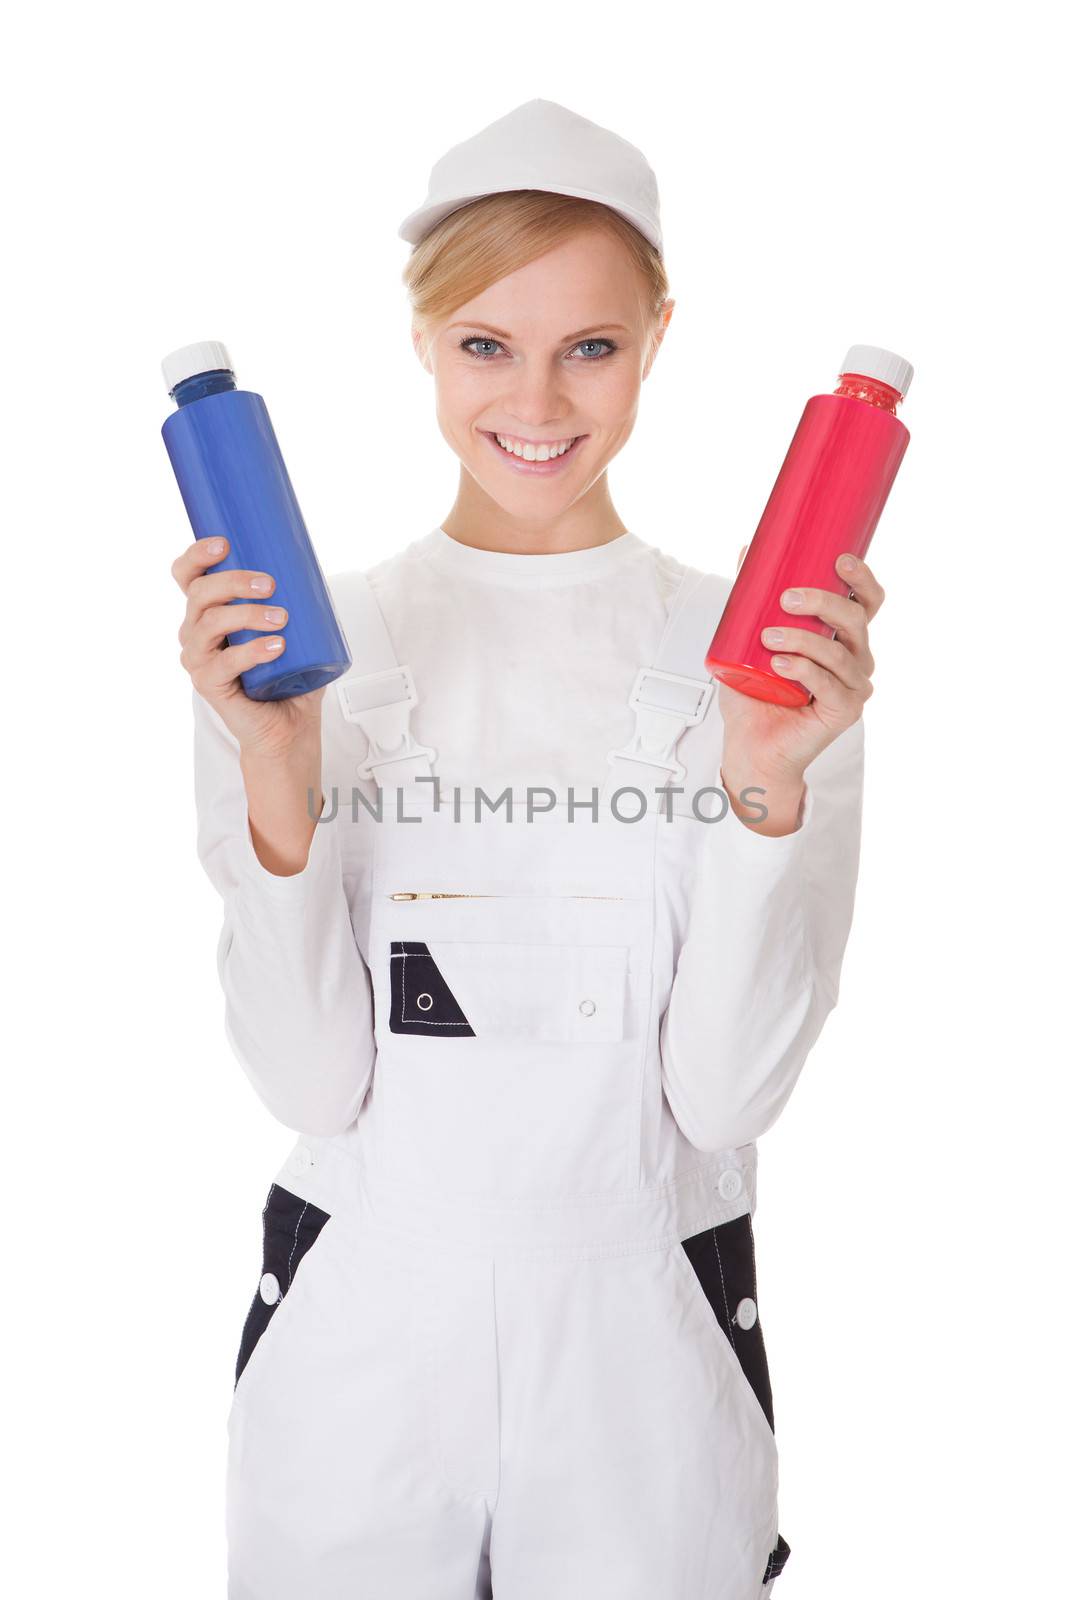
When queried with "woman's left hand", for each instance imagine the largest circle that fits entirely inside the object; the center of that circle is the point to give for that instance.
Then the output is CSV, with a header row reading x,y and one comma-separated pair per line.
x,y
767,742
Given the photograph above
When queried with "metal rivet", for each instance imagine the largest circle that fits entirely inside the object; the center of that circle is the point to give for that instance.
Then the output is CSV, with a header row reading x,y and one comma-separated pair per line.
x,y
424,1002
587,1007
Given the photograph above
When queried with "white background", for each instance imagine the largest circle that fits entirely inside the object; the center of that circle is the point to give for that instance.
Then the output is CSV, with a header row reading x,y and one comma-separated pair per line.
x,y
830,174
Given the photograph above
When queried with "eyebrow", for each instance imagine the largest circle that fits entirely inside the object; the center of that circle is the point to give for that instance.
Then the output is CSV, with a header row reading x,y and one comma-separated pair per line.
x,y
568,338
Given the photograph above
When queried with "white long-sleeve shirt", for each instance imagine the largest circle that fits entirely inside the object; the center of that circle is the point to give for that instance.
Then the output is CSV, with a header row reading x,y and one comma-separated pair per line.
x,y
523,666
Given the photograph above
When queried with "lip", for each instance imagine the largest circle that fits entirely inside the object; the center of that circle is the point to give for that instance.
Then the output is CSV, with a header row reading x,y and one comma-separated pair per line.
x,y
536,469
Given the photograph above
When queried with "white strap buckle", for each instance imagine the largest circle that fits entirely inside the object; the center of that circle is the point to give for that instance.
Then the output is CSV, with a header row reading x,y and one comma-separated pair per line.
x,y
381,704
665,704
687,698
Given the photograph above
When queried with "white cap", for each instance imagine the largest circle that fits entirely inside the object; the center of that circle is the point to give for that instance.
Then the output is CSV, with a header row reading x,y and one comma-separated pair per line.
x,y
208,356
869,361
542,145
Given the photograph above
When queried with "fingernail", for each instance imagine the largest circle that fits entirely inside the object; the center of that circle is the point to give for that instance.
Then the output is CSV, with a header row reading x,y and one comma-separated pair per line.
x,y
847,563
781,663
272,614
792,597
216,546
773,636
273,644
260,585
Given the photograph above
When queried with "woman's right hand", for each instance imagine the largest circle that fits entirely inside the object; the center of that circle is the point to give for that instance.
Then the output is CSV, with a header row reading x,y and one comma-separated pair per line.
x,y
267,729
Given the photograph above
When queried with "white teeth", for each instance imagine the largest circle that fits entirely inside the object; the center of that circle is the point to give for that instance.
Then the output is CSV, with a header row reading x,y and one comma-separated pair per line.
x,y
533,452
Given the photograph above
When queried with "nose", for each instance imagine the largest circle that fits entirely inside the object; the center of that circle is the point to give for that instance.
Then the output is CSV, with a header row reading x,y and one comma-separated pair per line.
x,y
537,396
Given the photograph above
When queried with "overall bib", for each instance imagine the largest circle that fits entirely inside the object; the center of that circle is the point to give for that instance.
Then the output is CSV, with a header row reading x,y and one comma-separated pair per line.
x,y
506,1339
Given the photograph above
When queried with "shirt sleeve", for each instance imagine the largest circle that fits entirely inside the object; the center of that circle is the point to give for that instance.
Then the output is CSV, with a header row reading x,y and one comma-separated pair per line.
x,y
298,998
759,968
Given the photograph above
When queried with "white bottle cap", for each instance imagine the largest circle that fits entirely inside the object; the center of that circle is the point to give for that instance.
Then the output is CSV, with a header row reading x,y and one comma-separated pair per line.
x,y
869,361
208,356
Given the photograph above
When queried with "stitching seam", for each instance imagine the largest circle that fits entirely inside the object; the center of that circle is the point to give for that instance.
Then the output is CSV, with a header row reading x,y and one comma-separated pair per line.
x,y
404,957
722,1280
296,1236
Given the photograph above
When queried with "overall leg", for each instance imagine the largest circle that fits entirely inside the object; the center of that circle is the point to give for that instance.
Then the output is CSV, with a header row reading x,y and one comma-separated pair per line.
x,y
635,1457
333,1487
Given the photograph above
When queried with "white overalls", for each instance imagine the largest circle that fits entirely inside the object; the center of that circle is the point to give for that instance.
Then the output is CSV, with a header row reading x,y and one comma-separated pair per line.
x,y
506,1340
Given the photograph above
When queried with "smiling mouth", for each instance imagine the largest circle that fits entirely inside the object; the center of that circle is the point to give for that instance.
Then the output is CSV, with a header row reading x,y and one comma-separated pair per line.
x,y
529,453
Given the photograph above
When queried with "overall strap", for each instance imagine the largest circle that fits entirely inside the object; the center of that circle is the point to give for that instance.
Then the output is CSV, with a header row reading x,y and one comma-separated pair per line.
x,y
377,694
674,693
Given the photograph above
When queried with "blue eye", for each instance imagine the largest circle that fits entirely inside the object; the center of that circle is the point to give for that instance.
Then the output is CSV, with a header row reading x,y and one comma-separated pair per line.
x,y
481,355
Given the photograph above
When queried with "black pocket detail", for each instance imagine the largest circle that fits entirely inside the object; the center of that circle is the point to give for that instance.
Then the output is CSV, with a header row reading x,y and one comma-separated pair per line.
x,y
290,1227
422,1002
777,1560
724,1260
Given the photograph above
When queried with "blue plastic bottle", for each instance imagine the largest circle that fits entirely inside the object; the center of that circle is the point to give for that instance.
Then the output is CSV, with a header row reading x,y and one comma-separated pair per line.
x,y
233,481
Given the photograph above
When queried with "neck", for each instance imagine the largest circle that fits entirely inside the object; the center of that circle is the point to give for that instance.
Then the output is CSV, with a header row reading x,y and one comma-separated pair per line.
x,y
478,520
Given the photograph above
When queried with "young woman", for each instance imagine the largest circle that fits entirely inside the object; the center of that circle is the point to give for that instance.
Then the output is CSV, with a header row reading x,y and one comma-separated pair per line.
x,y
507,948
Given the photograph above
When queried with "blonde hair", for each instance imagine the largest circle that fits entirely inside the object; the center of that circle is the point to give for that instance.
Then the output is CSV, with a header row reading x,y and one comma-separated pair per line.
x,y
489,238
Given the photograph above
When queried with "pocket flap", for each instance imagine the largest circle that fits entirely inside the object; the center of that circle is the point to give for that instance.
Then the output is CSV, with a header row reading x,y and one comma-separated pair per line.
x,y
567,993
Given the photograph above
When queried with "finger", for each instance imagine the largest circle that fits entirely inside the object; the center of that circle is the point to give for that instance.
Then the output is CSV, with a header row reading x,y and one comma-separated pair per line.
x,y
203,635
196,557
832,695
832,654
862,581
222,667
845,616
214,588
741,557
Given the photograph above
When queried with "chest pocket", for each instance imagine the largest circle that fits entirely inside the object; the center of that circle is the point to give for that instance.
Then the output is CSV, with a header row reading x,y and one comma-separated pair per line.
x,y
550,993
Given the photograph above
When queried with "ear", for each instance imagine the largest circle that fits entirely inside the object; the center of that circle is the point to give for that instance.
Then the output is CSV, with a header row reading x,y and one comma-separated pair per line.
x,y
420,347
657,338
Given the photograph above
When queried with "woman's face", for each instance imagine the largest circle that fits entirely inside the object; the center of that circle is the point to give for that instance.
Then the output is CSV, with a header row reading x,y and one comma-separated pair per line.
x,y
552,355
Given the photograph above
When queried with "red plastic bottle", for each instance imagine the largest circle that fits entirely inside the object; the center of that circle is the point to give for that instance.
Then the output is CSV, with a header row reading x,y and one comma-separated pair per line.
x,y
827,499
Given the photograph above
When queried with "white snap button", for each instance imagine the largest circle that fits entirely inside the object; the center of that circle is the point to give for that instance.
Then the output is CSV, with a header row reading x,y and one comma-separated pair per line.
x,y
730,1183
300,1159
745,1315
424,1002
587,1007
269,1288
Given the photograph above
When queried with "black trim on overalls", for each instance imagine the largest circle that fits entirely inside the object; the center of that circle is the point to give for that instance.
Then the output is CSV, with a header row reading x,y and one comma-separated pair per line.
x,y
290,1227
421,1001
724,1260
